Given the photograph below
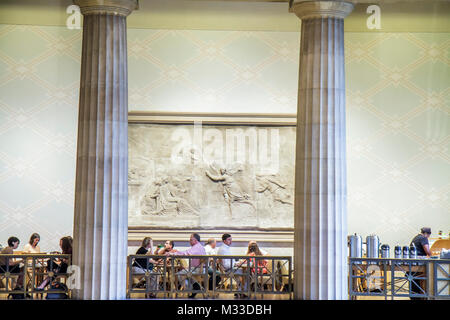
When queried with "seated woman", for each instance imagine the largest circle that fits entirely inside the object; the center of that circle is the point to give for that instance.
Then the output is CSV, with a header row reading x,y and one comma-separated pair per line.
x,y
70,240
261,266
8,265
142,265
58,266
252,242
254,250
258,268
32,245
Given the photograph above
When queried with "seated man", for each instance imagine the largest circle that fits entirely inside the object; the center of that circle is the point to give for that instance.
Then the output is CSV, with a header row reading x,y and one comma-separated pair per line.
x,y
227,264
196,264
167,247
161,250
8,265
211,250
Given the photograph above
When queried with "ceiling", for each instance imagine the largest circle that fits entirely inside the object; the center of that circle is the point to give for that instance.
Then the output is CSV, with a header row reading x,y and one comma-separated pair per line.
x,y
267,15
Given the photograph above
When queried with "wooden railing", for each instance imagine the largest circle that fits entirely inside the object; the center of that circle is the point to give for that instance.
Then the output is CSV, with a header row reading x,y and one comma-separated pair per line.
x,y
208,276
33,269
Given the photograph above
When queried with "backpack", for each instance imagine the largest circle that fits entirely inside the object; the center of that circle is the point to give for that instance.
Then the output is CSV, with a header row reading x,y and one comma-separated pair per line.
x,y
18,296
57,286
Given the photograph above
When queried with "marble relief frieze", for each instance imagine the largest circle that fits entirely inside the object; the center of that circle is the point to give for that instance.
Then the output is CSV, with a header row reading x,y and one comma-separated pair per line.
x,y
214,176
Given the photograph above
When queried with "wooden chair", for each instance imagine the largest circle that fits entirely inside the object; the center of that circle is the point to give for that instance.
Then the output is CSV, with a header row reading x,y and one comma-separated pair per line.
x,y
179,277
200,277
179,265
135,278
184,263
225,283
266,278
11,281
230,280
284,271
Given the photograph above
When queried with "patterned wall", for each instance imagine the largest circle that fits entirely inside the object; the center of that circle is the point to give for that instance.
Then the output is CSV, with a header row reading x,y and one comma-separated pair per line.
x,y
218,71
39,80
398,93
398,128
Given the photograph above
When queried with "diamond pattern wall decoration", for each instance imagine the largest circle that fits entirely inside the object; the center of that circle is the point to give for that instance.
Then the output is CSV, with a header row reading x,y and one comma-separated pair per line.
x,y
398,116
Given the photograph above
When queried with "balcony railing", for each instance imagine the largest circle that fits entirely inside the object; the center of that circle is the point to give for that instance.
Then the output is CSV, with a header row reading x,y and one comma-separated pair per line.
x,y
399,278
246,276
209,276
33,268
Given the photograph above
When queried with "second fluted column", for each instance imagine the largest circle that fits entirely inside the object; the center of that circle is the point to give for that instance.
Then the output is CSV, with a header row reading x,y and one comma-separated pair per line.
x,y
320,247
101,187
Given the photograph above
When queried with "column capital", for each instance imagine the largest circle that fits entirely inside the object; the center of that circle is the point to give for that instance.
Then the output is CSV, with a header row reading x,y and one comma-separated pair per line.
x,y
116,7
308,9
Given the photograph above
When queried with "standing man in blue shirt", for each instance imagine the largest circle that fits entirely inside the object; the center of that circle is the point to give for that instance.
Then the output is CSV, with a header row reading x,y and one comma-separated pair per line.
x,y
423,250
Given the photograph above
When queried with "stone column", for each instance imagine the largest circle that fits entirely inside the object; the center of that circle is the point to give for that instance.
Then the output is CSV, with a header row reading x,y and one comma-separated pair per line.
x,y
320,237
100,236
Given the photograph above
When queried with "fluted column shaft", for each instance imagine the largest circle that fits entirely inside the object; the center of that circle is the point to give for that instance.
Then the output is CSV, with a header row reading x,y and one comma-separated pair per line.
x,y
320,180
101,192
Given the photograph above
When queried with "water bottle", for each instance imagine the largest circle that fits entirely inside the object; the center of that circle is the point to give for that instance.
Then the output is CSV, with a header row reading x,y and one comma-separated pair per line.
x,y
385,254
398,252
413,253
405,252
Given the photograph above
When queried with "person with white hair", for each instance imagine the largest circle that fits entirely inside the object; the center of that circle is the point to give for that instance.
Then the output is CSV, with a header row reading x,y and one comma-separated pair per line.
x,y
210,247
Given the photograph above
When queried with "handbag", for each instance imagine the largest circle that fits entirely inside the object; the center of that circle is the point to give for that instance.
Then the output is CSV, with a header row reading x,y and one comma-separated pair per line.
x,y
57,286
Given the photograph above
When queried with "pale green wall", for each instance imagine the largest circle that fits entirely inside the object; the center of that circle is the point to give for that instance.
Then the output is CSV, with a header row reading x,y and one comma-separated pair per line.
x,y
398,119
398,129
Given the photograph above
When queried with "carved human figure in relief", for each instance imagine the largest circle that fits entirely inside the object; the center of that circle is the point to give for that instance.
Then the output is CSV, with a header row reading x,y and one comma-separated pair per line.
x,y
166,200
232,192
277,190
151,203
